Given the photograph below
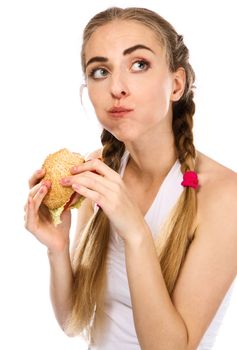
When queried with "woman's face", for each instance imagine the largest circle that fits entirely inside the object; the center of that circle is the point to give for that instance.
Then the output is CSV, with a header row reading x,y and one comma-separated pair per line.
x,y
126,67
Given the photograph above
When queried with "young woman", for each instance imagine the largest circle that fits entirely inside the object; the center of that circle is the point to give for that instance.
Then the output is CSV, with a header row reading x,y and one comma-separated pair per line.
x,y
154,256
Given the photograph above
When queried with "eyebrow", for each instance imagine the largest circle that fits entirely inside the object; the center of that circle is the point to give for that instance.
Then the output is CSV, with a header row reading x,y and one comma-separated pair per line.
x,y
125,52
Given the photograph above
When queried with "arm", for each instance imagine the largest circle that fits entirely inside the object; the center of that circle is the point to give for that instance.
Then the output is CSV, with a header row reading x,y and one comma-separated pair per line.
x,y
180,322
61,275
61,281
157,322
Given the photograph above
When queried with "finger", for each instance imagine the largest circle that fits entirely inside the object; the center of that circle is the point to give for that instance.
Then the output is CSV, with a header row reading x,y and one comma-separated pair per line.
x,y
95,165
90,194
32,193
39,196
74,199
36,177
30,215
96,188
25,207
90,180
90,156
36,188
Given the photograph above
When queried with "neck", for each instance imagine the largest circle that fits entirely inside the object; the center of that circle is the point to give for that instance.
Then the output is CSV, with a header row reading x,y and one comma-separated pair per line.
x,y
152,160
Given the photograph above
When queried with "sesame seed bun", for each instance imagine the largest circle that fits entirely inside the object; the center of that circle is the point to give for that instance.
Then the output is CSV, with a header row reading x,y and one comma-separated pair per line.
x,y
57,165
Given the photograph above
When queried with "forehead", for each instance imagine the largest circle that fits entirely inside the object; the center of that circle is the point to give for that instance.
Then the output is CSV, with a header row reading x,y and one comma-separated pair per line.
x,y
119,35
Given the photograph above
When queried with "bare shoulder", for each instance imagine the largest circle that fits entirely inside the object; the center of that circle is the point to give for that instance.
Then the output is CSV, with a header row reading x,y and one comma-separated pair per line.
x,y
217,204
218,186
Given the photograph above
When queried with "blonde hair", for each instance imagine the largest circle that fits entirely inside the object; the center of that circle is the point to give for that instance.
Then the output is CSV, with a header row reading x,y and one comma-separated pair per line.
x,y
89,262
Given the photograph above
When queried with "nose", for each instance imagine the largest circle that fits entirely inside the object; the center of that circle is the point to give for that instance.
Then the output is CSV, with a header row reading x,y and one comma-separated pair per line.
x,y
119,88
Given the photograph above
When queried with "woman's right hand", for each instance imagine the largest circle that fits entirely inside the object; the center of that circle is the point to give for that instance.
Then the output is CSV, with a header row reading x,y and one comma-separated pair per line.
x,y
37,216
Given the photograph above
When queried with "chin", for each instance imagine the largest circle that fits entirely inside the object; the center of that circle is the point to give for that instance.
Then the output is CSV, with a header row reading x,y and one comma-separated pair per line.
x,y
126,138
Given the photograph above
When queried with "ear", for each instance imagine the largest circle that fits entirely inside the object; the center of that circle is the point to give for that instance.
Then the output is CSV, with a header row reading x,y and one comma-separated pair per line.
x,y
82,87
179,81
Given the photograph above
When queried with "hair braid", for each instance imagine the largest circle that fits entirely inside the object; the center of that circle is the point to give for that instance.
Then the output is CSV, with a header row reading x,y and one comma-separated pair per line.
x,y
182,128
113,150
172,246
178,231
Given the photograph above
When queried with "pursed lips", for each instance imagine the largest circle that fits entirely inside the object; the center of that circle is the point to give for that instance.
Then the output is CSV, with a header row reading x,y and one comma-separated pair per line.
x,y
119,111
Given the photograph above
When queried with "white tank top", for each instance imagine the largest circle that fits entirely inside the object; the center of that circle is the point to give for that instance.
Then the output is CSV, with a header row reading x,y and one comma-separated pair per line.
x,y
119,331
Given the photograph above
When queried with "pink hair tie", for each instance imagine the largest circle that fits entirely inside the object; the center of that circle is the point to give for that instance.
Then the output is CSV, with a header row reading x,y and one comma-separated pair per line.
x,y
190,179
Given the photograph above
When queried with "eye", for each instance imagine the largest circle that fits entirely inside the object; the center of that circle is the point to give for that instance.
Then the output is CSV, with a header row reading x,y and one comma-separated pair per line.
x,y
141,65
98,73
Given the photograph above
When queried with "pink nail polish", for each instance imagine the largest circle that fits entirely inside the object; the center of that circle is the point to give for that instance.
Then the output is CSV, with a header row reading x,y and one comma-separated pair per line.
x,y
46,183
65,181
42,189
74,169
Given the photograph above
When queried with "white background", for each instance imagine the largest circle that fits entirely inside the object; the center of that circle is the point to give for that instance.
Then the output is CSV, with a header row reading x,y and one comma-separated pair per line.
x,y
40,77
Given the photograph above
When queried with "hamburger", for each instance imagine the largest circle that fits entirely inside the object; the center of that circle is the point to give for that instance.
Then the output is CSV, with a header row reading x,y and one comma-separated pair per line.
x,y
57,165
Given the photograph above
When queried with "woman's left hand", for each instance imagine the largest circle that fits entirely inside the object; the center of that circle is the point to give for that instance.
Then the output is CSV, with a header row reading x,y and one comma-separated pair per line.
x,y
96,181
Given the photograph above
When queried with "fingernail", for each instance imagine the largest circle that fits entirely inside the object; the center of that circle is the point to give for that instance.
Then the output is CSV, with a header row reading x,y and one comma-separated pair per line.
x,y
74,169
42,188
65,181
76,186
47,183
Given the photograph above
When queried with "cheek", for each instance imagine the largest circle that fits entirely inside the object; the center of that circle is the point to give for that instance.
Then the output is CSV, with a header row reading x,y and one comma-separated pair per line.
x,y
93,96
98,94
155,97
97,99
